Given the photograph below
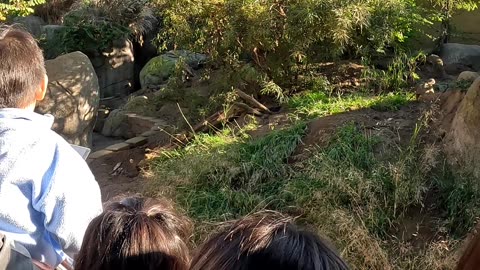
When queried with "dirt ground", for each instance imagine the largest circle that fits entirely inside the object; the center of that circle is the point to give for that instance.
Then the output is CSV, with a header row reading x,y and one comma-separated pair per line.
x,y
118,173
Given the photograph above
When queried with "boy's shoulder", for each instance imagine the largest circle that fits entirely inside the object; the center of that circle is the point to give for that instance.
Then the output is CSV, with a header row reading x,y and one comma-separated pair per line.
x,y
32,132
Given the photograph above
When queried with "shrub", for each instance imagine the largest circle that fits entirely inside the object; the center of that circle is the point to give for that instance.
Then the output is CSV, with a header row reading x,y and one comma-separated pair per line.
x,y
17,8
277,36
92,27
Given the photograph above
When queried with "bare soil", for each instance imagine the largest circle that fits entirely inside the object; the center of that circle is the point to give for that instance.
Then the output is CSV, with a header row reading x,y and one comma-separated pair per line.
x,y
126,179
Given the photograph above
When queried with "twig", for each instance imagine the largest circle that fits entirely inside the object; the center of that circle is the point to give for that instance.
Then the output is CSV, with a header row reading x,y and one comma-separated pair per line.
x,y
185,118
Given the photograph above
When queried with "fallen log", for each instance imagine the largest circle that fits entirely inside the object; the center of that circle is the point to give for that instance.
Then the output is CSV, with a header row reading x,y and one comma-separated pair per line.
x,y
248,109
252,101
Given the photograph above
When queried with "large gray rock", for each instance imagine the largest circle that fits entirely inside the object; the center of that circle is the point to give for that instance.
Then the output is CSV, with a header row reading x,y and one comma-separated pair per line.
x,y
32,24
159,69
454,54
72,97
115,69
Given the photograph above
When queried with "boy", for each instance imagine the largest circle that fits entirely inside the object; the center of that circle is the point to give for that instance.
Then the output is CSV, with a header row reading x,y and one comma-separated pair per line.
x,y
48,194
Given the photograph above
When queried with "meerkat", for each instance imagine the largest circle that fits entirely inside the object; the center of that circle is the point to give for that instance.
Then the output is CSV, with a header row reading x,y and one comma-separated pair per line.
x,y
437,65
425,88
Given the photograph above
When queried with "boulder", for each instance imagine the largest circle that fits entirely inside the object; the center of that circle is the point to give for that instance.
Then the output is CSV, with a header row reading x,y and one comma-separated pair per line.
x,y
32,24
72,97
121,123
115,69
140,105
159,69
463,140
468,76
116,124
461,54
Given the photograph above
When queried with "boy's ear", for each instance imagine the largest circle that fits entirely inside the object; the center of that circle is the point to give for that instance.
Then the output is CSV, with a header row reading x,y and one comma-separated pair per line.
x,y
42,89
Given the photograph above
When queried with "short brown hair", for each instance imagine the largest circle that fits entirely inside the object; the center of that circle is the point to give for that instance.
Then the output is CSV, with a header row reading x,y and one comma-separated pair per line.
x,y
266,240
136,233
22,67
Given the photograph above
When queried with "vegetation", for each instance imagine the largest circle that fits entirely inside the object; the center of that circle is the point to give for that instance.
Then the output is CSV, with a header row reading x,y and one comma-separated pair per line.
x,y
347,190
17,8
445,9
278,37
361,188
93,26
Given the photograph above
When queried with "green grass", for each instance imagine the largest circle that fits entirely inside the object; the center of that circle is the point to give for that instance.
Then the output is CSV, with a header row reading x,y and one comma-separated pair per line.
x,y
355,191
348,191
459,197
313,104
224,176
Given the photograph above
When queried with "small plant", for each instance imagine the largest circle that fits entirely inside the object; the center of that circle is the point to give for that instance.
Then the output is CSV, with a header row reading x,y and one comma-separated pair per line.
x,y
400,73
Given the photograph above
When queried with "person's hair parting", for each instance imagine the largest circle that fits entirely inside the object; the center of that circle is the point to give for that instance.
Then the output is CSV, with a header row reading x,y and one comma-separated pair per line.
x,y
266,240
136,233
22,67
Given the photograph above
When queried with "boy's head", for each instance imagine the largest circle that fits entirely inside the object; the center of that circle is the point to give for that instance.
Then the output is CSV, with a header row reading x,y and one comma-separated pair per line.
x,y
266,241
23,79
136,233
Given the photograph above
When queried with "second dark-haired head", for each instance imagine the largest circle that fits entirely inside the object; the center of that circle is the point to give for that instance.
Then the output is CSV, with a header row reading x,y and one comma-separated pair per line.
x,y
136,233
266,241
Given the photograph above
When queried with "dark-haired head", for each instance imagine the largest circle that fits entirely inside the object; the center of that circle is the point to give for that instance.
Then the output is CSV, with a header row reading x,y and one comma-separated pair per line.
x,y
23,79
266,241
136,233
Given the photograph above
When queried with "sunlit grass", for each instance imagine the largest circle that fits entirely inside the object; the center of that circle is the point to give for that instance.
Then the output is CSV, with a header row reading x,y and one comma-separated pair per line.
x,y
314,104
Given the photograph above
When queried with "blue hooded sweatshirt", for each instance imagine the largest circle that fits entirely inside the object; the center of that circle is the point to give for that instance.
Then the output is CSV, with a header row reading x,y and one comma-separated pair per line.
x,y
48,195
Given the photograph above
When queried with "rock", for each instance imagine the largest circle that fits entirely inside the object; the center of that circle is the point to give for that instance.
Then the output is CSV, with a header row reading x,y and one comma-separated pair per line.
x,y
72,97
32,24
457,69
115,69
121,123
463,54
463,141
468,76
139,124
159,69
194,60
51,31
116,124
171,114
140,105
